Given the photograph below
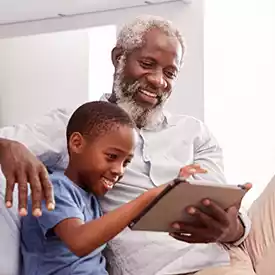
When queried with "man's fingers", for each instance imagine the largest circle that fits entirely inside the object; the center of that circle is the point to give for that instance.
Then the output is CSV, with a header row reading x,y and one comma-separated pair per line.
x,y
36,192
47,189
10,182
188,229
182,237
233,211
188,238
20,166
22,193
247,186
203,218
216,212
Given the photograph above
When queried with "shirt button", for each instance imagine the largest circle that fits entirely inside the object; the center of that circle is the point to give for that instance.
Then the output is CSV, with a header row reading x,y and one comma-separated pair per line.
x,y
146,158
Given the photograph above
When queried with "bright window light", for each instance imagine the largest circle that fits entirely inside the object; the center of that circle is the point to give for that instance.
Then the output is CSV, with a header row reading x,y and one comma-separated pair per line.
x,y
102,40
240,87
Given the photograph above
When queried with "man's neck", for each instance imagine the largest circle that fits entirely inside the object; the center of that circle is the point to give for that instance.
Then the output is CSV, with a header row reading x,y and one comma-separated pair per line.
x,y
112,98
139,120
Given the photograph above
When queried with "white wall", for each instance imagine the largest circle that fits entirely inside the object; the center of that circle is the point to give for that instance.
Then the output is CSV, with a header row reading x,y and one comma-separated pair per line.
x,y
40,73
51,70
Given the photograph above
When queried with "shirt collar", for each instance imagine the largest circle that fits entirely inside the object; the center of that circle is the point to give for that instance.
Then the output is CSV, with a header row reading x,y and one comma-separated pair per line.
x,y
167,116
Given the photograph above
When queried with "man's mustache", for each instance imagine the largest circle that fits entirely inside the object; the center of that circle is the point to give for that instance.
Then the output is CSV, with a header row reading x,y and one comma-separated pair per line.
x,y
136,87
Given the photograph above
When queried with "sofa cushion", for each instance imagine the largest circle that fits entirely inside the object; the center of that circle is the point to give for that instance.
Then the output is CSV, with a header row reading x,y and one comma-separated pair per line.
x,y
9,233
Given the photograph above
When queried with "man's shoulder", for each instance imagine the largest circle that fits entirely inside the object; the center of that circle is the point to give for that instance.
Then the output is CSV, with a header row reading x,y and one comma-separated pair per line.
x,y
190,126
59,114
184,120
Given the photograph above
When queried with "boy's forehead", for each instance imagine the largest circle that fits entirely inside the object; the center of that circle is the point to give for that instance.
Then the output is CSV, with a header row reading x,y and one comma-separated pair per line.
x,y
121,139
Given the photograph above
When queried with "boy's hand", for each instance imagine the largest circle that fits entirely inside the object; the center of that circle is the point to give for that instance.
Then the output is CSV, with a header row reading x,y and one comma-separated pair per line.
x,y
185,172
190,170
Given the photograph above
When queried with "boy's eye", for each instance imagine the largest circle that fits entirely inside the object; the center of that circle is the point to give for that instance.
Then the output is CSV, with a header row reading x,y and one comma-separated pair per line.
x,y
112,156
126,162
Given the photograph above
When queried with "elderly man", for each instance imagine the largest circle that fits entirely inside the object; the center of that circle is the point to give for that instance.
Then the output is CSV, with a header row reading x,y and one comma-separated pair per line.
x,y
147,60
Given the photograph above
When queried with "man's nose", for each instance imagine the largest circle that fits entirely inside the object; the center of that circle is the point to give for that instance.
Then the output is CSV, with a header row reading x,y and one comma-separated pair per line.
x,y
157,80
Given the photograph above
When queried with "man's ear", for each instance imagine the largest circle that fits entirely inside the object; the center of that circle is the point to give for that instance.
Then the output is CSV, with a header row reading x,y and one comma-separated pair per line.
x,y
116,54
76,143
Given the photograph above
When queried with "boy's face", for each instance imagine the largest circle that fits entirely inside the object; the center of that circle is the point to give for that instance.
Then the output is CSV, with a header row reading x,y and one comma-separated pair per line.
x,y
101,162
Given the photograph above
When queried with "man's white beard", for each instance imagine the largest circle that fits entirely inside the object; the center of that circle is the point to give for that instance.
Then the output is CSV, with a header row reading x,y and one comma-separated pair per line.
x,y
143,117
149,119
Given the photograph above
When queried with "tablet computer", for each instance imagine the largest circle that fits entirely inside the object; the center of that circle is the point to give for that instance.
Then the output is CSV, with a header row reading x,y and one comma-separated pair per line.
x,y
170,205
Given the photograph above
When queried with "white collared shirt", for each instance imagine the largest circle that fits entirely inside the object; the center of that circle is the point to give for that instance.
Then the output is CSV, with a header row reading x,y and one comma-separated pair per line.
x,y
179,141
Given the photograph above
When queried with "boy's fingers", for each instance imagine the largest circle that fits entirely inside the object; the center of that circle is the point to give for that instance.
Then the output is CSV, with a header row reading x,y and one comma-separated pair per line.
x,y
191,169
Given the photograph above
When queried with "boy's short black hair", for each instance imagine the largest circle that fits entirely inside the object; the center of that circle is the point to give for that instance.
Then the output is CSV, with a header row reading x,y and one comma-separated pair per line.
x,y
96,118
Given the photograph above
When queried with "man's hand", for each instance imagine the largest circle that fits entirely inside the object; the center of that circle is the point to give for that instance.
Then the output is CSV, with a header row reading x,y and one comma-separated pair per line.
x,y
217,225
20,166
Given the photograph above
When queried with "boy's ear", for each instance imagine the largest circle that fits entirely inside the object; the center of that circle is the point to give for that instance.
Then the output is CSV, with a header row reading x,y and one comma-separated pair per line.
x,y
116,54
76,143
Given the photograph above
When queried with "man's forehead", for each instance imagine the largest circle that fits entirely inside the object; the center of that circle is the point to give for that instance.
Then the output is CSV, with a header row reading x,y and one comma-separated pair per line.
x,y
157,40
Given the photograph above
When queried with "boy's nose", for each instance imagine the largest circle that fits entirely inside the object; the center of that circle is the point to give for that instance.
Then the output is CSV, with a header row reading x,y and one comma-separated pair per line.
x,y
117,170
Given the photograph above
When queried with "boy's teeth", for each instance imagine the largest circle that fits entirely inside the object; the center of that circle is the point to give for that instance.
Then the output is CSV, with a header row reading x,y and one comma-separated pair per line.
x,y
108,183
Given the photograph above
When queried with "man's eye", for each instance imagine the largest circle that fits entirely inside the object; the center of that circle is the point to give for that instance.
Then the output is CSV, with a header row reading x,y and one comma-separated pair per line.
x,y
146,64
170,75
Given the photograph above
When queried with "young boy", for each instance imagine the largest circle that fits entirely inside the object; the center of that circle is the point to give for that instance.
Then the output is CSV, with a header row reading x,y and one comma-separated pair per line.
x,y
70,239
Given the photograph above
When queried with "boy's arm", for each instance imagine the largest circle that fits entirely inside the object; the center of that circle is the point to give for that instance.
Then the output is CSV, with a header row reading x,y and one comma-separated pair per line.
x,y
83,238
25,149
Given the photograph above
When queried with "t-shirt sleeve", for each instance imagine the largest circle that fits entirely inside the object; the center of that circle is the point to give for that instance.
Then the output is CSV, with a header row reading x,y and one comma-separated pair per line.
x,y
67,206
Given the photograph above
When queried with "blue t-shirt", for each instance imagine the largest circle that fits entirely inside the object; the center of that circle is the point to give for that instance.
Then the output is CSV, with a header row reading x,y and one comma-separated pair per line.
x,y
43,252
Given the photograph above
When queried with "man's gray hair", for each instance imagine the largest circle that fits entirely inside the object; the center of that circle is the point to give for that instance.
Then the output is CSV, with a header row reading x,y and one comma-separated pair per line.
x,y
132,34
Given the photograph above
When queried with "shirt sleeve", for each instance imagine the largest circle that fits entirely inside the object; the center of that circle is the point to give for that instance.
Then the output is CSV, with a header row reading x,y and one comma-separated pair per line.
x,y
67,206
246,222
46,138
209,155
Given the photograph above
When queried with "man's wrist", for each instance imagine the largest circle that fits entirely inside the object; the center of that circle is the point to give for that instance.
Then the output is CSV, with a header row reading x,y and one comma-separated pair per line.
x,y
239,232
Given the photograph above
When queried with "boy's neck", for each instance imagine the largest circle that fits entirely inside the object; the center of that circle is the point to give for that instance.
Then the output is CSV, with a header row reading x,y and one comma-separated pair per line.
x,y
73,175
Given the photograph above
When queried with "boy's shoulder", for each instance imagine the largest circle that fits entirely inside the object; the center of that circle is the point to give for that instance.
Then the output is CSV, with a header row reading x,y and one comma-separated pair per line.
x,y
64,187
61,183
60,179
